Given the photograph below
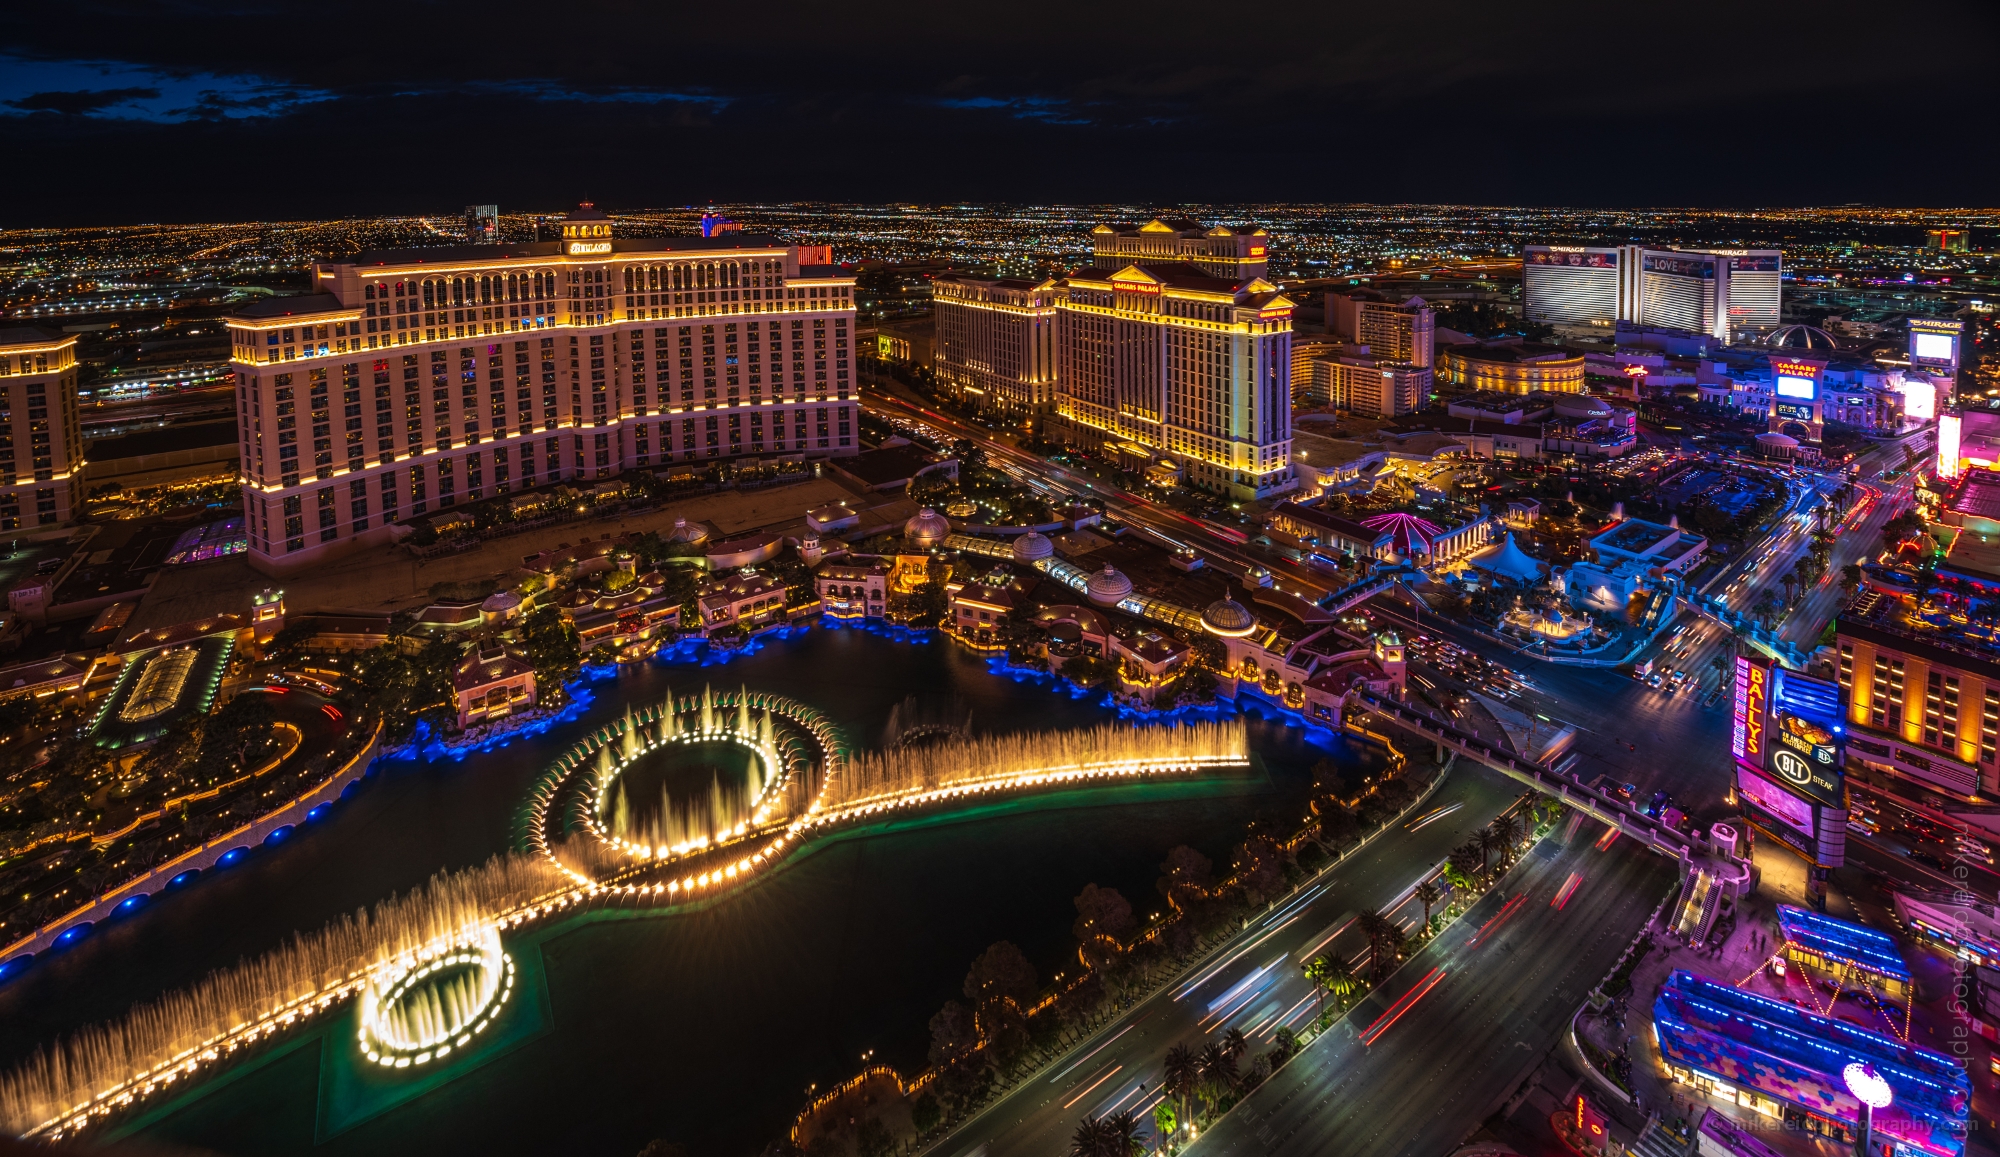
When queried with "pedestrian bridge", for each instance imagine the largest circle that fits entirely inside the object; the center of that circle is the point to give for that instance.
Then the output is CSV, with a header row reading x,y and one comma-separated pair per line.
x,y
1356,593
1562,785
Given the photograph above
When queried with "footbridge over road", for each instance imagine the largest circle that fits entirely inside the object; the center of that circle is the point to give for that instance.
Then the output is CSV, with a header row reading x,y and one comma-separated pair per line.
x,y
1695,856
1356,593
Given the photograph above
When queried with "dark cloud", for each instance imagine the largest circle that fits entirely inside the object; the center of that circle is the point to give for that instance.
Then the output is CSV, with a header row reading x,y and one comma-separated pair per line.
x,y
80,103
1715,102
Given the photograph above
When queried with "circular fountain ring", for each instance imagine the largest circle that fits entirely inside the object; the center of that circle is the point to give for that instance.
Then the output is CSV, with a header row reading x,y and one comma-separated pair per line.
x,y
422,1010
773,781
795,739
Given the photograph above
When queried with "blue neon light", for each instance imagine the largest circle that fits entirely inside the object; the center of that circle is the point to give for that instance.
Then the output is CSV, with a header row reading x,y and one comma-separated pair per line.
x,y
1840,940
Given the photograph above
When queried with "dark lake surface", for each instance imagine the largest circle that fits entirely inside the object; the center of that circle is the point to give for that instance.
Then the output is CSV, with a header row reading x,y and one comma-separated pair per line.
x,y
702,1027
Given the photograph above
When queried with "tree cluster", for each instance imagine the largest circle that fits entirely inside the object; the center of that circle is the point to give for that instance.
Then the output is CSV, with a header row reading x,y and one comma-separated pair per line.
x,y
404,686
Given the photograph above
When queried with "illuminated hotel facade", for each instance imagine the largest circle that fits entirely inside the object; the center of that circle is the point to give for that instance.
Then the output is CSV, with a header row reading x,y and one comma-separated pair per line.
x,y
1230,252
996,341
418,379
1513,367
1190,366
1586,290
1921,704
1404,332
39,432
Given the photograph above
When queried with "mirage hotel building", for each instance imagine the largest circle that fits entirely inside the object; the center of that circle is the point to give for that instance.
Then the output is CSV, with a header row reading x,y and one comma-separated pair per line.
x,y
418,379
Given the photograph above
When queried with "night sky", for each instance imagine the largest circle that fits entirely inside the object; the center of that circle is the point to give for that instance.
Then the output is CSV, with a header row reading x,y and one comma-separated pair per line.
x,y
196,110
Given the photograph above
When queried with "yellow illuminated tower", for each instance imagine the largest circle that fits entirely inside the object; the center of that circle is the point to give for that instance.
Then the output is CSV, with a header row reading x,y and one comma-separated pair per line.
x,y
41,446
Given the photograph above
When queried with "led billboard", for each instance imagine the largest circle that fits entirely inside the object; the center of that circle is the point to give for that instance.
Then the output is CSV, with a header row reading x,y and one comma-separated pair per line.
x,y
1791,387
1919,400
1949,434
1781,804
1934,347
1805,736
1572,255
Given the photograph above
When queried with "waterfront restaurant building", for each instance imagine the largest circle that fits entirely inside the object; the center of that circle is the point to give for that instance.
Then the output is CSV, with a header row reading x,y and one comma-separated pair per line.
x,y
416,379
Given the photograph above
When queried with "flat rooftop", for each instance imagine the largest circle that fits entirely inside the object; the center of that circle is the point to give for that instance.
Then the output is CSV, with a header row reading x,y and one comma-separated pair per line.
x,y
1636,536
887,465
1978,495
1974,553
1842,940
454,253
1322,451
193,436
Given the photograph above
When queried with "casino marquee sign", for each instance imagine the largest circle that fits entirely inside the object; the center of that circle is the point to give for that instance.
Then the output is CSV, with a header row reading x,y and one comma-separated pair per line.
x,y
1786,735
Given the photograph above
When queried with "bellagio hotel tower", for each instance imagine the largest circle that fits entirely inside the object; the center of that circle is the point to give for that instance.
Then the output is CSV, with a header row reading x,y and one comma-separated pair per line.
x,y
417,379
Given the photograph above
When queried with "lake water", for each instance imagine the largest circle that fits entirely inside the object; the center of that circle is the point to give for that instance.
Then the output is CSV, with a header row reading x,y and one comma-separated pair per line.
x,y
707,1027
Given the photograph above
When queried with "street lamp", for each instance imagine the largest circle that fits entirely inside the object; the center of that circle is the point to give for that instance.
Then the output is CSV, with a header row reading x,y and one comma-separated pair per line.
x,y
1873,1092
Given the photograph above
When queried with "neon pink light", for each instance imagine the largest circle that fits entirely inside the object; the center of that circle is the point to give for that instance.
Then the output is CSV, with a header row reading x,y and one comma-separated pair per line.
x,y
1405,530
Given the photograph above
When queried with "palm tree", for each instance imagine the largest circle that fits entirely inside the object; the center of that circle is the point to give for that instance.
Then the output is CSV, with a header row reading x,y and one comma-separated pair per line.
x,y
1234,1045
1330,974
1319,970
1113,1136
1506,831
1342,983
1383,937
1120,1132
1089,1140
1218,1074
1488,842
1183,1076
1427,894
1469,858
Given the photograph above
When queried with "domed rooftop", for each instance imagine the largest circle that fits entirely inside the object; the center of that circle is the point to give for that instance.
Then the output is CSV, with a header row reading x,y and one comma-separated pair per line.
x,y
685,531
1229,618
501,603
1781,441
1107,588
1033,547
1804,338
926,528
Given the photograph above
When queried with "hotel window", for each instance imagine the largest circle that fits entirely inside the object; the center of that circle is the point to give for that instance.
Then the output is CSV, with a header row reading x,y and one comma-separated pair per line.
x,y
1886,695
1941,712
328,517
1989,725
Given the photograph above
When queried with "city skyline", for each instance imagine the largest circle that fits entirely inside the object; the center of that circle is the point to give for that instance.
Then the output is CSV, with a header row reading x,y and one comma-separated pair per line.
x,y
930,105
1317,662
